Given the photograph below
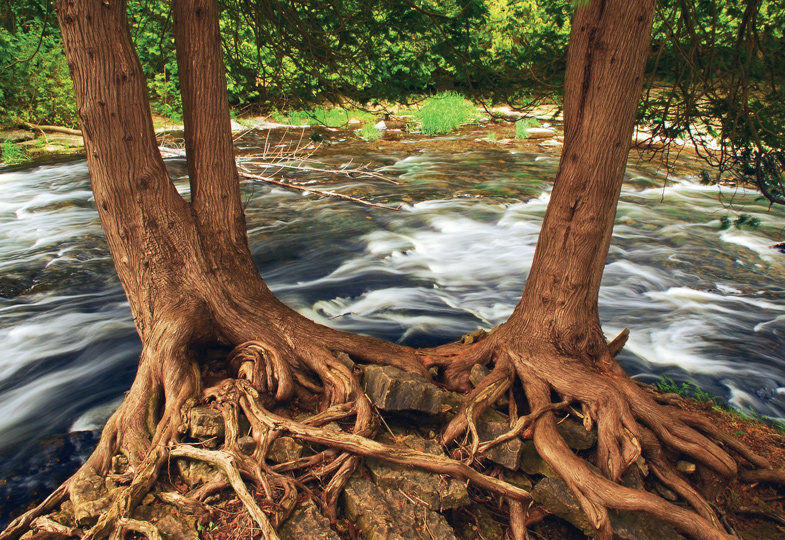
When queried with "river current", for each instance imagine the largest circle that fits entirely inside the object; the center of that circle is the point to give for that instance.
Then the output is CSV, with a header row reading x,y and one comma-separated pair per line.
x,y
704,304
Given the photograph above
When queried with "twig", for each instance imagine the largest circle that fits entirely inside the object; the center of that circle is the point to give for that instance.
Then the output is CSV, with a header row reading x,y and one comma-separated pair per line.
x,y
321,192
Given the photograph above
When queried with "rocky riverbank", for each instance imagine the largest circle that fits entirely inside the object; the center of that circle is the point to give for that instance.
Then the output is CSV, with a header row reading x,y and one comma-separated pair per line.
x,y
384,500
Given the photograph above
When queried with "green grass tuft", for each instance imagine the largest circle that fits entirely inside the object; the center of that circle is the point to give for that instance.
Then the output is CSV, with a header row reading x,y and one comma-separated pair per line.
x,y
369,132
12,154
444,112
523,124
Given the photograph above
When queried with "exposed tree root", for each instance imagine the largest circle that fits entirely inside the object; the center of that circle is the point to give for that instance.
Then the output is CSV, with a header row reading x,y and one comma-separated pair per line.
x,y
630,424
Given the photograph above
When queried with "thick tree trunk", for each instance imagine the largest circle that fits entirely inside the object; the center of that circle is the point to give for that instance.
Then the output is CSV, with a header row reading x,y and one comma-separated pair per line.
x,y
188,274
608,50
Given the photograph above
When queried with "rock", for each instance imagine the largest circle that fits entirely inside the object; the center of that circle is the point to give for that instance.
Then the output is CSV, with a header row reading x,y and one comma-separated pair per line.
x,y
89,497
665,492
639,526
473,337
540,133
392,389
383,514
484,524
246,444
576,436
197,472
285,449
556,497
172,524
307,522
206,423
490,425
18,135
685,466
551,143
344,359
380,125
354,121
437,491
477,374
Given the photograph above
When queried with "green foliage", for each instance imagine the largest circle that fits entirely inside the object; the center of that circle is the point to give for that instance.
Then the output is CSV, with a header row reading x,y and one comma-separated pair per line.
x,y
742,221
746,220
522,124
35,85
444,112
369,132
667,385
320,116
12,154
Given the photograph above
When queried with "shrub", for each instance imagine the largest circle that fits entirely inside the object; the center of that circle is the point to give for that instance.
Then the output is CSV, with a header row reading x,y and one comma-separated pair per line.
x,y
12,154
369,132
523,124
444,112
322,117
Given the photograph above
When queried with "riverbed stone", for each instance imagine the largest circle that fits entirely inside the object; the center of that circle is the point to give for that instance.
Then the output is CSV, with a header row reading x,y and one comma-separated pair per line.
x,y
285,449
490,425
206,423
392,389
387,514
307,522
540,133
438,491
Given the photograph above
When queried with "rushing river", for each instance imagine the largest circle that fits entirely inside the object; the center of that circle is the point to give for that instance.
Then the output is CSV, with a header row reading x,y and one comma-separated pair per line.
x,y
703,304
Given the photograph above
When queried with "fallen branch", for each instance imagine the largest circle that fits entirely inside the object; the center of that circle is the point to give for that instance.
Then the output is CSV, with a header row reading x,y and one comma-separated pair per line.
x,y
53,129
321,192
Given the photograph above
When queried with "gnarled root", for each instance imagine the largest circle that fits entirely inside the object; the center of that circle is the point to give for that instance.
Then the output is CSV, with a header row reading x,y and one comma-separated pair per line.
x,y
630,425
148,426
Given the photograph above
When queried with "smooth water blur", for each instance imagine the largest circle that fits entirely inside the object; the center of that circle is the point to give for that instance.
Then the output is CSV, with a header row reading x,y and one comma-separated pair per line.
x,y
703,304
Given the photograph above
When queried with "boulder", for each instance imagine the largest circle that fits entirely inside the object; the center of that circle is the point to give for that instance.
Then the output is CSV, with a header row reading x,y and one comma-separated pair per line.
x,y
556,497
576,436
540,133
392,389
285,449
490,425
437,491
387,514
380,125
196,472
89,497
307,522
205,424
532,463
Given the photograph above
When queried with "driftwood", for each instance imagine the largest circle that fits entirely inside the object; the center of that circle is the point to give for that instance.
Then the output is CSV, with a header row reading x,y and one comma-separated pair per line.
x,y
53,129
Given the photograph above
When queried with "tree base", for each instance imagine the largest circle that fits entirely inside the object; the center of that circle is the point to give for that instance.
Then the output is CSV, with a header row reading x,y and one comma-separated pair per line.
x,y
256,399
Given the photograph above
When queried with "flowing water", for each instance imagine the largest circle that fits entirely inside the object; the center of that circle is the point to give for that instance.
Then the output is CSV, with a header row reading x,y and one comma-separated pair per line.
x,y
703,305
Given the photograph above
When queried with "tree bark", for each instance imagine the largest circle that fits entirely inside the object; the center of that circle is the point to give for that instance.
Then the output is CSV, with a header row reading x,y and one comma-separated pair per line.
x,y
188,274
608,50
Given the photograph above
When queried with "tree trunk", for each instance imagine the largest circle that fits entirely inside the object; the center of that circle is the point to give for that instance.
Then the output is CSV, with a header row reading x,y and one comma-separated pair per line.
x,y
192,285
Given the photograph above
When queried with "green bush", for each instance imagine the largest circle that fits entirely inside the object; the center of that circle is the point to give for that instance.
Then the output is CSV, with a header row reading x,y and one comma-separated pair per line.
x,y
444,112
35,85
369,132
321,116
523,124
12,154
